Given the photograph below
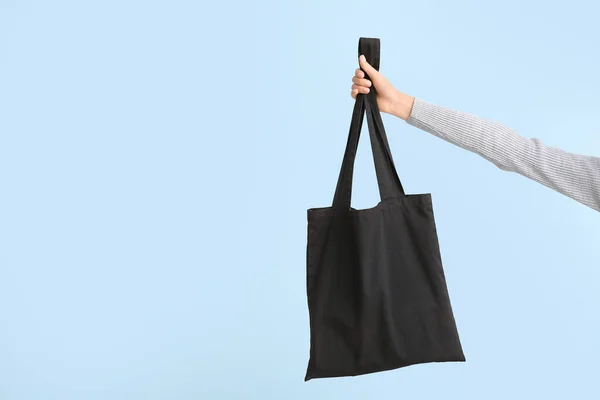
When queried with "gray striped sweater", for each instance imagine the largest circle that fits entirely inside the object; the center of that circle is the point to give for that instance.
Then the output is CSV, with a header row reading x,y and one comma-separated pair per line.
x,y
576,176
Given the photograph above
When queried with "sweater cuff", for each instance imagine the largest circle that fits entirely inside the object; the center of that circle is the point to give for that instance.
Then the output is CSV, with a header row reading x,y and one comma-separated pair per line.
x,y
422,114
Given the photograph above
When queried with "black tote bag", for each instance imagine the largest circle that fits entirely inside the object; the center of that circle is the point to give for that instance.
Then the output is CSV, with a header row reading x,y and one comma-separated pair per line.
x,y
377,293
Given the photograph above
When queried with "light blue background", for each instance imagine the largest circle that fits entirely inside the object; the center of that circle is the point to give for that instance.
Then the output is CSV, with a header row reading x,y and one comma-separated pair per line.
x,y
157,159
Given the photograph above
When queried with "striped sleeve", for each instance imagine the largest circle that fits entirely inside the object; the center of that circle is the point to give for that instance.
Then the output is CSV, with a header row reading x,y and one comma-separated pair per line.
x,y
576,176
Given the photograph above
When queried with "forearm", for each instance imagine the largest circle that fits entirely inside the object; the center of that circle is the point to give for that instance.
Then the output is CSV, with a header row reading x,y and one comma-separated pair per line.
x,y
573,175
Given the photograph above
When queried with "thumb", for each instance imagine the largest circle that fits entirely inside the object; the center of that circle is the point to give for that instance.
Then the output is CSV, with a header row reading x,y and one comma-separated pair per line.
x,y
366,67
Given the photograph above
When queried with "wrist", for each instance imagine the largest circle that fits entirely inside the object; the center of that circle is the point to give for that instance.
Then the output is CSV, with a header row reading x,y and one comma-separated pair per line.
x,y
403,106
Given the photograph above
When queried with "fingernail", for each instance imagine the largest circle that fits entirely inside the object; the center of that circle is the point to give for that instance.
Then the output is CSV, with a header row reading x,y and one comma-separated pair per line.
x,y
362,57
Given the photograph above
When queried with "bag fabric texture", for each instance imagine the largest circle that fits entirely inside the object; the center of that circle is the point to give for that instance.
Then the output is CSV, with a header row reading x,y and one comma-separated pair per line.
x,y
376,289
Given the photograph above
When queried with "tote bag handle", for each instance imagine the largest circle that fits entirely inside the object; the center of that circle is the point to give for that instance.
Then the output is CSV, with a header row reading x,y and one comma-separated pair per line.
x,y
387,178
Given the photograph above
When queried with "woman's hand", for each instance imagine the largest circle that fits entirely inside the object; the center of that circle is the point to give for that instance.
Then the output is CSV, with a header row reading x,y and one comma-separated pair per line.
x,y
389,99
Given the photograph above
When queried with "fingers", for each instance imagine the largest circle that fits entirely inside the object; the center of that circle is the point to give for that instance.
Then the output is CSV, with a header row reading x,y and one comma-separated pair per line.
x,y
356,89
361,82
372,72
